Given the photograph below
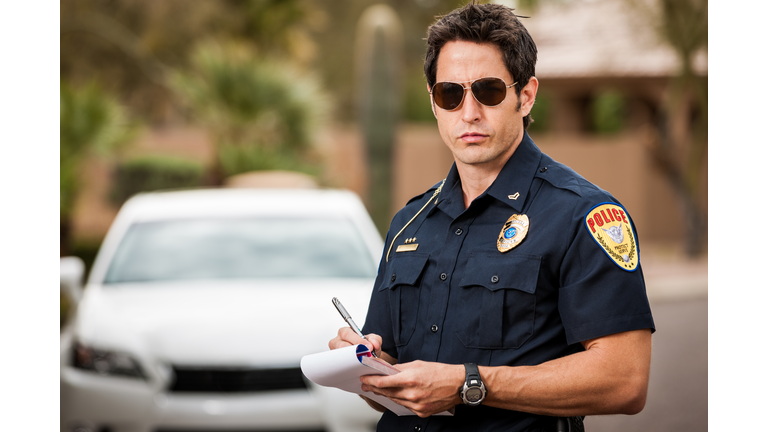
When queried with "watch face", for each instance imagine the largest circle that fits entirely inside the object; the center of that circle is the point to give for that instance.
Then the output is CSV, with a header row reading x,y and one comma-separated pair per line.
x,y
473,394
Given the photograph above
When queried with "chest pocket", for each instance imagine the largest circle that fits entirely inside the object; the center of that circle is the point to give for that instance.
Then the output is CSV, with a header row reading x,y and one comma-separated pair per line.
x,y
402,281
499,294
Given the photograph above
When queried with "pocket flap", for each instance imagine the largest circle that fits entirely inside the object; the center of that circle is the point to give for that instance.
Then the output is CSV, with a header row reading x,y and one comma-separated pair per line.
x,y
404,269
497,272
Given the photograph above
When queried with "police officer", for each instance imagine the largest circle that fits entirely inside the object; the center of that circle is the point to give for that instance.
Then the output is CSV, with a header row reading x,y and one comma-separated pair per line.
x,y
510,293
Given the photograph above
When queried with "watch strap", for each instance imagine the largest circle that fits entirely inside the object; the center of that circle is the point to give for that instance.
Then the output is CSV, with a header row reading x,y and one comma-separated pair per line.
x,y
472,373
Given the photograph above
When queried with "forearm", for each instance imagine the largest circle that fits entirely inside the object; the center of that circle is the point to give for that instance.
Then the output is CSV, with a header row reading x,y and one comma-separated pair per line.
x,y
610,377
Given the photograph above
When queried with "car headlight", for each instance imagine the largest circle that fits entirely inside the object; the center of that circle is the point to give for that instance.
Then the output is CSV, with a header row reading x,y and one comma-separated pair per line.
x,y
105,362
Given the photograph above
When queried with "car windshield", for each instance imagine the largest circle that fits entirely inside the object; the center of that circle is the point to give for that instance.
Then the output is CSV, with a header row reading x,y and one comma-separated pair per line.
x,y
240,249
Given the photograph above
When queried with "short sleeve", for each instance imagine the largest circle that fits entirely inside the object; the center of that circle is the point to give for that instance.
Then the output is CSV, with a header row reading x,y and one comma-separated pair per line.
x,y
600,293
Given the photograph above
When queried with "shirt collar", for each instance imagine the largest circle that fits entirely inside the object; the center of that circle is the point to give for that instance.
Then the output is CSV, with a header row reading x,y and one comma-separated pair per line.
x,y
517,175
511,186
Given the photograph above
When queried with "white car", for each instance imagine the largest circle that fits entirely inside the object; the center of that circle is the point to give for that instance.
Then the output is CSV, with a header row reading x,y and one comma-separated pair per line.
x,y
200,305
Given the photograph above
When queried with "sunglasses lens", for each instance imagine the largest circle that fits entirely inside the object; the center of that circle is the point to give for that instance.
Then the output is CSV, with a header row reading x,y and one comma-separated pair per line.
x,y
489,91
448,95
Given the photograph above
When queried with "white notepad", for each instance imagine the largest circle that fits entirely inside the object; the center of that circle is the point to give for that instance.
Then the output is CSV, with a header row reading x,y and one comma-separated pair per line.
x,y
342,368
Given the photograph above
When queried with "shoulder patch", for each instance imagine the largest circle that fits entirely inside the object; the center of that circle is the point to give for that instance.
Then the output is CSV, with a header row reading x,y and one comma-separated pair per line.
x,y
609,225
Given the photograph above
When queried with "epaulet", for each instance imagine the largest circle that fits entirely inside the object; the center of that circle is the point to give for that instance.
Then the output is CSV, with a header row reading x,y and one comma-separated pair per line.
x,y
563,177
421,195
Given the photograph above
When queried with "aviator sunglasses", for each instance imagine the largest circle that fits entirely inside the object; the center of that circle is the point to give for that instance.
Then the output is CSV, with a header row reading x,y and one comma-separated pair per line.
x,y
489,91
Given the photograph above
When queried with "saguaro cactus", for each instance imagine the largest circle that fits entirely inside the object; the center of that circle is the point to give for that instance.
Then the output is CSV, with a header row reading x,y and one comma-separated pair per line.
x,y
378,64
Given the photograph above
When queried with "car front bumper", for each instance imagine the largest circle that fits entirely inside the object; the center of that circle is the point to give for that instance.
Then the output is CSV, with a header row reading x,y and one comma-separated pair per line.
x,y
93,402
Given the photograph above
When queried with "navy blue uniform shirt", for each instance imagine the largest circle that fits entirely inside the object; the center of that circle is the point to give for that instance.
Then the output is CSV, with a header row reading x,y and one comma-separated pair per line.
x,y
458,299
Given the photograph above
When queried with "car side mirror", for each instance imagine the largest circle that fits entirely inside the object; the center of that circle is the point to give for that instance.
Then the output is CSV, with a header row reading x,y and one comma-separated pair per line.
x,y
71,273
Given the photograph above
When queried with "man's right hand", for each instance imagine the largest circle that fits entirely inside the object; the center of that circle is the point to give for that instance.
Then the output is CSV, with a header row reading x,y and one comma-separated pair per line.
x,y
347,337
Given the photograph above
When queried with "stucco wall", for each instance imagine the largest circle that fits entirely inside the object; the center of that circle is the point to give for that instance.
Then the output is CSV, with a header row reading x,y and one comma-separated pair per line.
x,y
618,164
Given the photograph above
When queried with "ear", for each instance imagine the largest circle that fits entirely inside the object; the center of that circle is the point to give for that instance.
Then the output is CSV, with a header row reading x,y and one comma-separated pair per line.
x,y
431,100
528,95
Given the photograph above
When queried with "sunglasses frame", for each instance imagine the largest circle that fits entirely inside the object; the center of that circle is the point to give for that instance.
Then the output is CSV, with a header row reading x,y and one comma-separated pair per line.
x,y
470,90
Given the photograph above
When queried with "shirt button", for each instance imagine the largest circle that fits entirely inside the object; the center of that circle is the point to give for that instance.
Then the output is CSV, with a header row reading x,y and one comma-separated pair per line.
x,y
433,328
443,276
494,279
459,231
394,276
417,429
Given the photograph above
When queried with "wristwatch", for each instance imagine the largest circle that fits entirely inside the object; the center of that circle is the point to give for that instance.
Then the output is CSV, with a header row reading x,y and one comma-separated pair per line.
x,y
473,391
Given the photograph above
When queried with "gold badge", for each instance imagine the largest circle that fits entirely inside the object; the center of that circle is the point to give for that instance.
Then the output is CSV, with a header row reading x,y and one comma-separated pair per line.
x,y
610,227
513,232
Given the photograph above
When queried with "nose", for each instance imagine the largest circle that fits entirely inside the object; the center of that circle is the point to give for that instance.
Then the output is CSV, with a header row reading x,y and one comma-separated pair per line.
x,y
471,110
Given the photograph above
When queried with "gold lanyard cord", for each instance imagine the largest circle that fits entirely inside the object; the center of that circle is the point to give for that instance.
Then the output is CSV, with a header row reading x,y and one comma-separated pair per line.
x,y
414,217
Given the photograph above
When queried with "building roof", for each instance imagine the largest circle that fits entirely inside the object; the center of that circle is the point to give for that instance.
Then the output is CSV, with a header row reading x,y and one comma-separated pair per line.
x,y
600,38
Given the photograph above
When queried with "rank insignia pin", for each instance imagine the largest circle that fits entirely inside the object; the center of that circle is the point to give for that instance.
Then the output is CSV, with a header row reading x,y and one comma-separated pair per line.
x,y
513,232
409,245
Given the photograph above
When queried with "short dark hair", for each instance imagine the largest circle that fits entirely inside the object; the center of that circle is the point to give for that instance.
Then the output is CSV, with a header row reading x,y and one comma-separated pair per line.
x,y
485,24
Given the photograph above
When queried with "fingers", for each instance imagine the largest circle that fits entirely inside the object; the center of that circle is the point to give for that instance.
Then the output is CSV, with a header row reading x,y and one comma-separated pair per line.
x,y
342,339
424,388
409,398
346,337
374,342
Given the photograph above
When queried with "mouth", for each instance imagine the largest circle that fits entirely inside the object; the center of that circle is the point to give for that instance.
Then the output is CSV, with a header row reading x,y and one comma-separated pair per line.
x,y
472,137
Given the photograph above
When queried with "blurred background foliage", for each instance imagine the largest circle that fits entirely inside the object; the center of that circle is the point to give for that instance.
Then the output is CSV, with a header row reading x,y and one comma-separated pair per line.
x,y
149,173
262,111
171,62
607,112
129,45
92,123
258,75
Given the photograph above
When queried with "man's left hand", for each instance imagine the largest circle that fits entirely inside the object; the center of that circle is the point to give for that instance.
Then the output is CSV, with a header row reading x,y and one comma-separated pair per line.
x,y
426,388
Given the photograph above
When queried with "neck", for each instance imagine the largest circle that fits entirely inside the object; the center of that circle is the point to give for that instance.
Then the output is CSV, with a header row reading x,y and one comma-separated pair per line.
x,y
477,178
474,182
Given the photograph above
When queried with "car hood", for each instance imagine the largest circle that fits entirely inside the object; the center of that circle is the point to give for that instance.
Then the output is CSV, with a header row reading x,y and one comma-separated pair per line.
x,y
247,323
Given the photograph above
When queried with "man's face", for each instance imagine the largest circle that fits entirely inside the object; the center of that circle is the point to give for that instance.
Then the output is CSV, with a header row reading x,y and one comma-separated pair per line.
x,y
480,136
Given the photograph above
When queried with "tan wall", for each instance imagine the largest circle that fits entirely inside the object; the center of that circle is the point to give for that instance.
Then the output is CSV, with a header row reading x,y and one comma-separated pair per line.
x,y
621,166
617,164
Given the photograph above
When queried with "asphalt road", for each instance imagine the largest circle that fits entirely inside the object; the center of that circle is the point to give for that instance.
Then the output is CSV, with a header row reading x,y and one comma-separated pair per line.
x,y
677,391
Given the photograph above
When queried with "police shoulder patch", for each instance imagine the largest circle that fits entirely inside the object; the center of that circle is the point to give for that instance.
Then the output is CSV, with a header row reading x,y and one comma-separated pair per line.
x,y
610,227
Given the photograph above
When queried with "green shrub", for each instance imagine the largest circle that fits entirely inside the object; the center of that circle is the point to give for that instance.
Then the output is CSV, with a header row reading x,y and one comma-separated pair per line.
x,y
418,105
607,112
268,108
540,113
91,122
154,173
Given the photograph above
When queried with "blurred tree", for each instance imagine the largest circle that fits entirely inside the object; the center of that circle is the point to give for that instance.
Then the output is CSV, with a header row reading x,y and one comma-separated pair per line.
x,y
680,149
127,45
336,50
378,53
91,123
261,111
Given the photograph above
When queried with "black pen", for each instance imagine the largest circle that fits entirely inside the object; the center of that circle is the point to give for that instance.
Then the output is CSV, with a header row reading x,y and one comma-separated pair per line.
x,y
350,322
